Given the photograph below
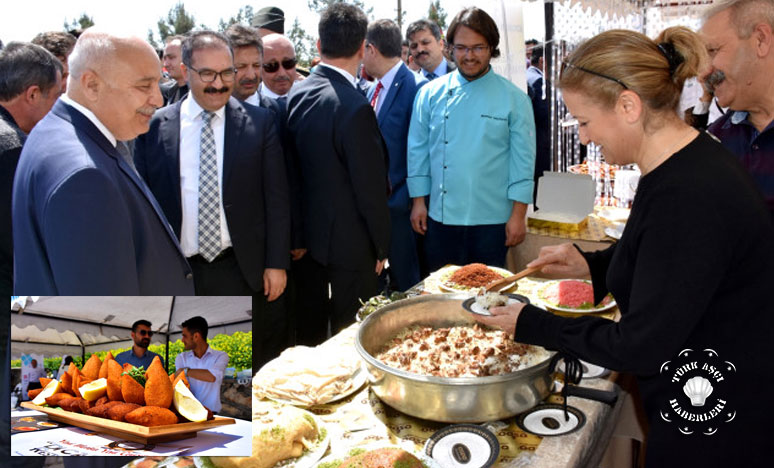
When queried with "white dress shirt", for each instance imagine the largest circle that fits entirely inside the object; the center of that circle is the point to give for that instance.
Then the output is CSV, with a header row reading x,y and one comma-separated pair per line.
x,y
386,82
254,99
265,91
208,393
351,79
90,115
190,141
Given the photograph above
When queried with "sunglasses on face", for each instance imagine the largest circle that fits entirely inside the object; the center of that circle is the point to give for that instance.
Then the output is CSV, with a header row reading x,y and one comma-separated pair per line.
x,y
272,67
145,332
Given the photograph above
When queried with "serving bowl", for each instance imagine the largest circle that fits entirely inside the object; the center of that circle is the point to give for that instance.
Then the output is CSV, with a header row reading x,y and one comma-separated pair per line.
x,y
444,399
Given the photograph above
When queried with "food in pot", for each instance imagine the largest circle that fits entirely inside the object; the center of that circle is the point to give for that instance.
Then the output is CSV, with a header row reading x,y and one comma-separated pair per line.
x,y
460,351
475,275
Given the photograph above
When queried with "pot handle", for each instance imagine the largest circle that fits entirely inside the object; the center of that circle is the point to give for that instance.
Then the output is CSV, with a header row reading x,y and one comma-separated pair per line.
x,y
604,396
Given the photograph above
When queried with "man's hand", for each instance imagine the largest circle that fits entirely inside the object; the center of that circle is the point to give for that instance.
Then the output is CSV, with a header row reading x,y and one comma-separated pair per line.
x,y
504,318
419,216
296,254
561,261
516,227
274,281
380,266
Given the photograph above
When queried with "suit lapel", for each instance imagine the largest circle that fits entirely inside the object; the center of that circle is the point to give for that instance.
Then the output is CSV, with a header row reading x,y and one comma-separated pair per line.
x,y
235,121
169,129
82,122
397,82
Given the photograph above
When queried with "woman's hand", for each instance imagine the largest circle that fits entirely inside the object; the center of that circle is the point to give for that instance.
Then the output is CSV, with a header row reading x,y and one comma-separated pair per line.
x,y
561,261
504,317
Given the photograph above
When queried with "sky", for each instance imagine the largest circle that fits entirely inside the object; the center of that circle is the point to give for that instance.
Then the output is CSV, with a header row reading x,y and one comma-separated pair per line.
x,y
21,21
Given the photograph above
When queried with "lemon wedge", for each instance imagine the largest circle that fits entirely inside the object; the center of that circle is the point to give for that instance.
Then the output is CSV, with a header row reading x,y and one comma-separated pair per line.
x,y
50,389
187,405
93,390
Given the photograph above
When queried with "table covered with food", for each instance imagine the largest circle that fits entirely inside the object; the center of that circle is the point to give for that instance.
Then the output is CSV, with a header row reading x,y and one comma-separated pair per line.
x,y
418,382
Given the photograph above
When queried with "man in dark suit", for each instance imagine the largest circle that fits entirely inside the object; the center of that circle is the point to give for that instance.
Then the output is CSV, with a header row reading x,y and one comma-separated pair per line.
x,y
342,159
176,88
30,83
392,97
84,221
217,169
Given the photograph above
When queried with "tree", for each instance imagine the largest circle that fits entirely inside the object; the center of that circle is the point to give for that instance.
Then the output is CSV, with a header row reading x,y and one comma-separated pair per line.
x,y
320,5
304,44
436,13
244,16
85,21
178,21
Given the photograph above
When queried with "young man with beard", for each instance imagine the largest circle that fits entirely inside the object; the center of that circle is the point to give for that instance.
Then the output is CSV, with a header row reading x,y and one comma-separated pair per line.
x,y
203,366
739,35
216,167
139,354
471,148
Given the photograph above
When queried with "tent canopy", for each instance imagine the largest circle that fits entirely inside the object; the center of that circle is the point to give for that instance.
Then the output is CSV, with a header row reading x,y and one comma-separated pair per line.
x,y
57,325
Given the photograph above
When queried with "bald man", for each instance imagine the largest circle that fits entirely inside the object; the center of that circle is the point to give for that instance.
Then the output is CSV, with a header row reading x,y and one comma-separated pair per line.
x,y
84,221
278,72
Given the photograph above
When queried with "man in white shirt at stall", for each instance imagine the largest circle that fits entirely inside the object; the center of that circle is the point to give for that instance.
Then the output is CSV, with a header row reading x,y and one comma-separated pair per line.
x,y
203,366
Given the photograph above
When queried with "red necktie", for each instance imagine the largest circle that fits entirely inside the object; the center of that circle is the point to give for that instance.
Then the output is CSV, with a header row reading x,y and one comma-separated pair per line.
x,y
376,94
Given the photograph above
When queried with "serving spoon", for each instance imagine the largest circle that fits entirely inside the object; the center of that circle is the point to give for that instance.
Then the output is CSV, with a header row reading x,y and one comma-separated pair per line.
x,y
505,282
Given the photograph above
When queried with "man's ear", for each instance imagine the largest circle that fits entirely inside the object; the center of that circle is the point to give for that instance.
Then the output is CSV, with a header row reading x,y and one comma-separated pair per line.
x,y
762,35
33,94
91,84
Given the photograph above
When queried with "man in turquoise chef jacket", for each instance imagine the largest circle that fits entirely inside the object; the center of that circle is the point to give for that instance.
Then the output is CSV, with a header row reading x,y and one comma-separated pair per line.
x,y
471,149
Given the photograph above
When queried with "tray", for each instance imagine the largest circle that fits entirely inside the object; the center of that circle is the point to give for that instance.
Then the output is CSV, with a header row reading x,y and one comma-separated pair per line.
x,y
133,432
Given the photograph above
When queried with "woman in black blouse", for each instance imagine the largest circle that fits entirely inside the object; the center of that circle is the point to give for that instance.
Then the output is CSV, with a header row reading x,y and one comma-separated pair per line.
x,y
694,269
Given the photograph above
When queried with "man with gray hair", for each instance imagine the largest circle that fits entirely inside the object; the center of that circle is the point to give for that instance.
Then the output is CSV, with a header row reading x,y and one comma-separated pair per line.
x,y
30,83
739,35
84,221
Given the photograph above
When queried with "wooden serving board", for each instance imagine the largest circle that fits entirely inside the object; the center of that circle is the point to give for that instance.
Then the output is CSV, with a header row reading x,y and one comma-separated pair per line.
x,y
133,432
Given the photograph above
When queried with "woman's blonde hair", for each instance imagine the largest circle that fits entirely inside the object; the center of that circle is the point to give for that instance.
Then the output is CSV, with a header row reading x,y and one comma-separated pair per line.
x,y
656,70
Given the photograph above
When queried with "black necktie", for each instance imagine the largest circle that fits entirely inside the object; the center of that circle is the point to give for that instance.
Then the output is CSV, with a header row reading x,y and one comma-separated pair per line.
x,y
431,76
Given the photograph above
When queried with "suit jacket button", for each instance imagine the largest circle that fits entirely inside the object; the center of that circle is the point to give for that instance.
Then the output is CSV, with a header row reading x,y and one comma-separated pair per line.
x,y
189,276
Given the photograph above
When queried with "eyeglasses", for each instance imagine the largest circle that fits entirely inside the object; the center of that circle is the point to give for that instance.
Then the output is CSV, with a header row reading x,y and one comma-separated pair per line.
x,y
592,72
146,332
272,67
208,76
462,50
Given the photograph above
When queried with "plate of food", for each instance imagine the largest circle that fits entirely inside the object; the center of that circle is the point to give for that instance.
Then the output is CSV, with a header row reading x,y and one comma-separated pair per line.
x,y
481,303
131,403
378,456
307,376
471,277
572,296
283,437
377,302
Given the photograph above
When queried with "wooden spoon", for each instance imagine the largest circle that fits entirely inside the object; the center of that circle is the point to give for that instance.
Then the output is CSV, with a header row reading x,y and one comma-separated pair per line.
x,y
505,282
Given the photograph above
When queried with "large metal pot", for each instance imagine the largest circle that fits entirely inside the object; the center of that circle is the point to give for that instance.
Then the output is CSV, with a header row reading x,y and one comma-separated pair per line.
x,y
461,399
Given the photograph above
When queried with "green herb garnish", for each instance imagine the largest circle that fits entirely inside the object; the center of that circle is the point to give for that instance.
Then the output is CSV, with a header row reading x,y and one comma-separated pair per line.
x,y
137,373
